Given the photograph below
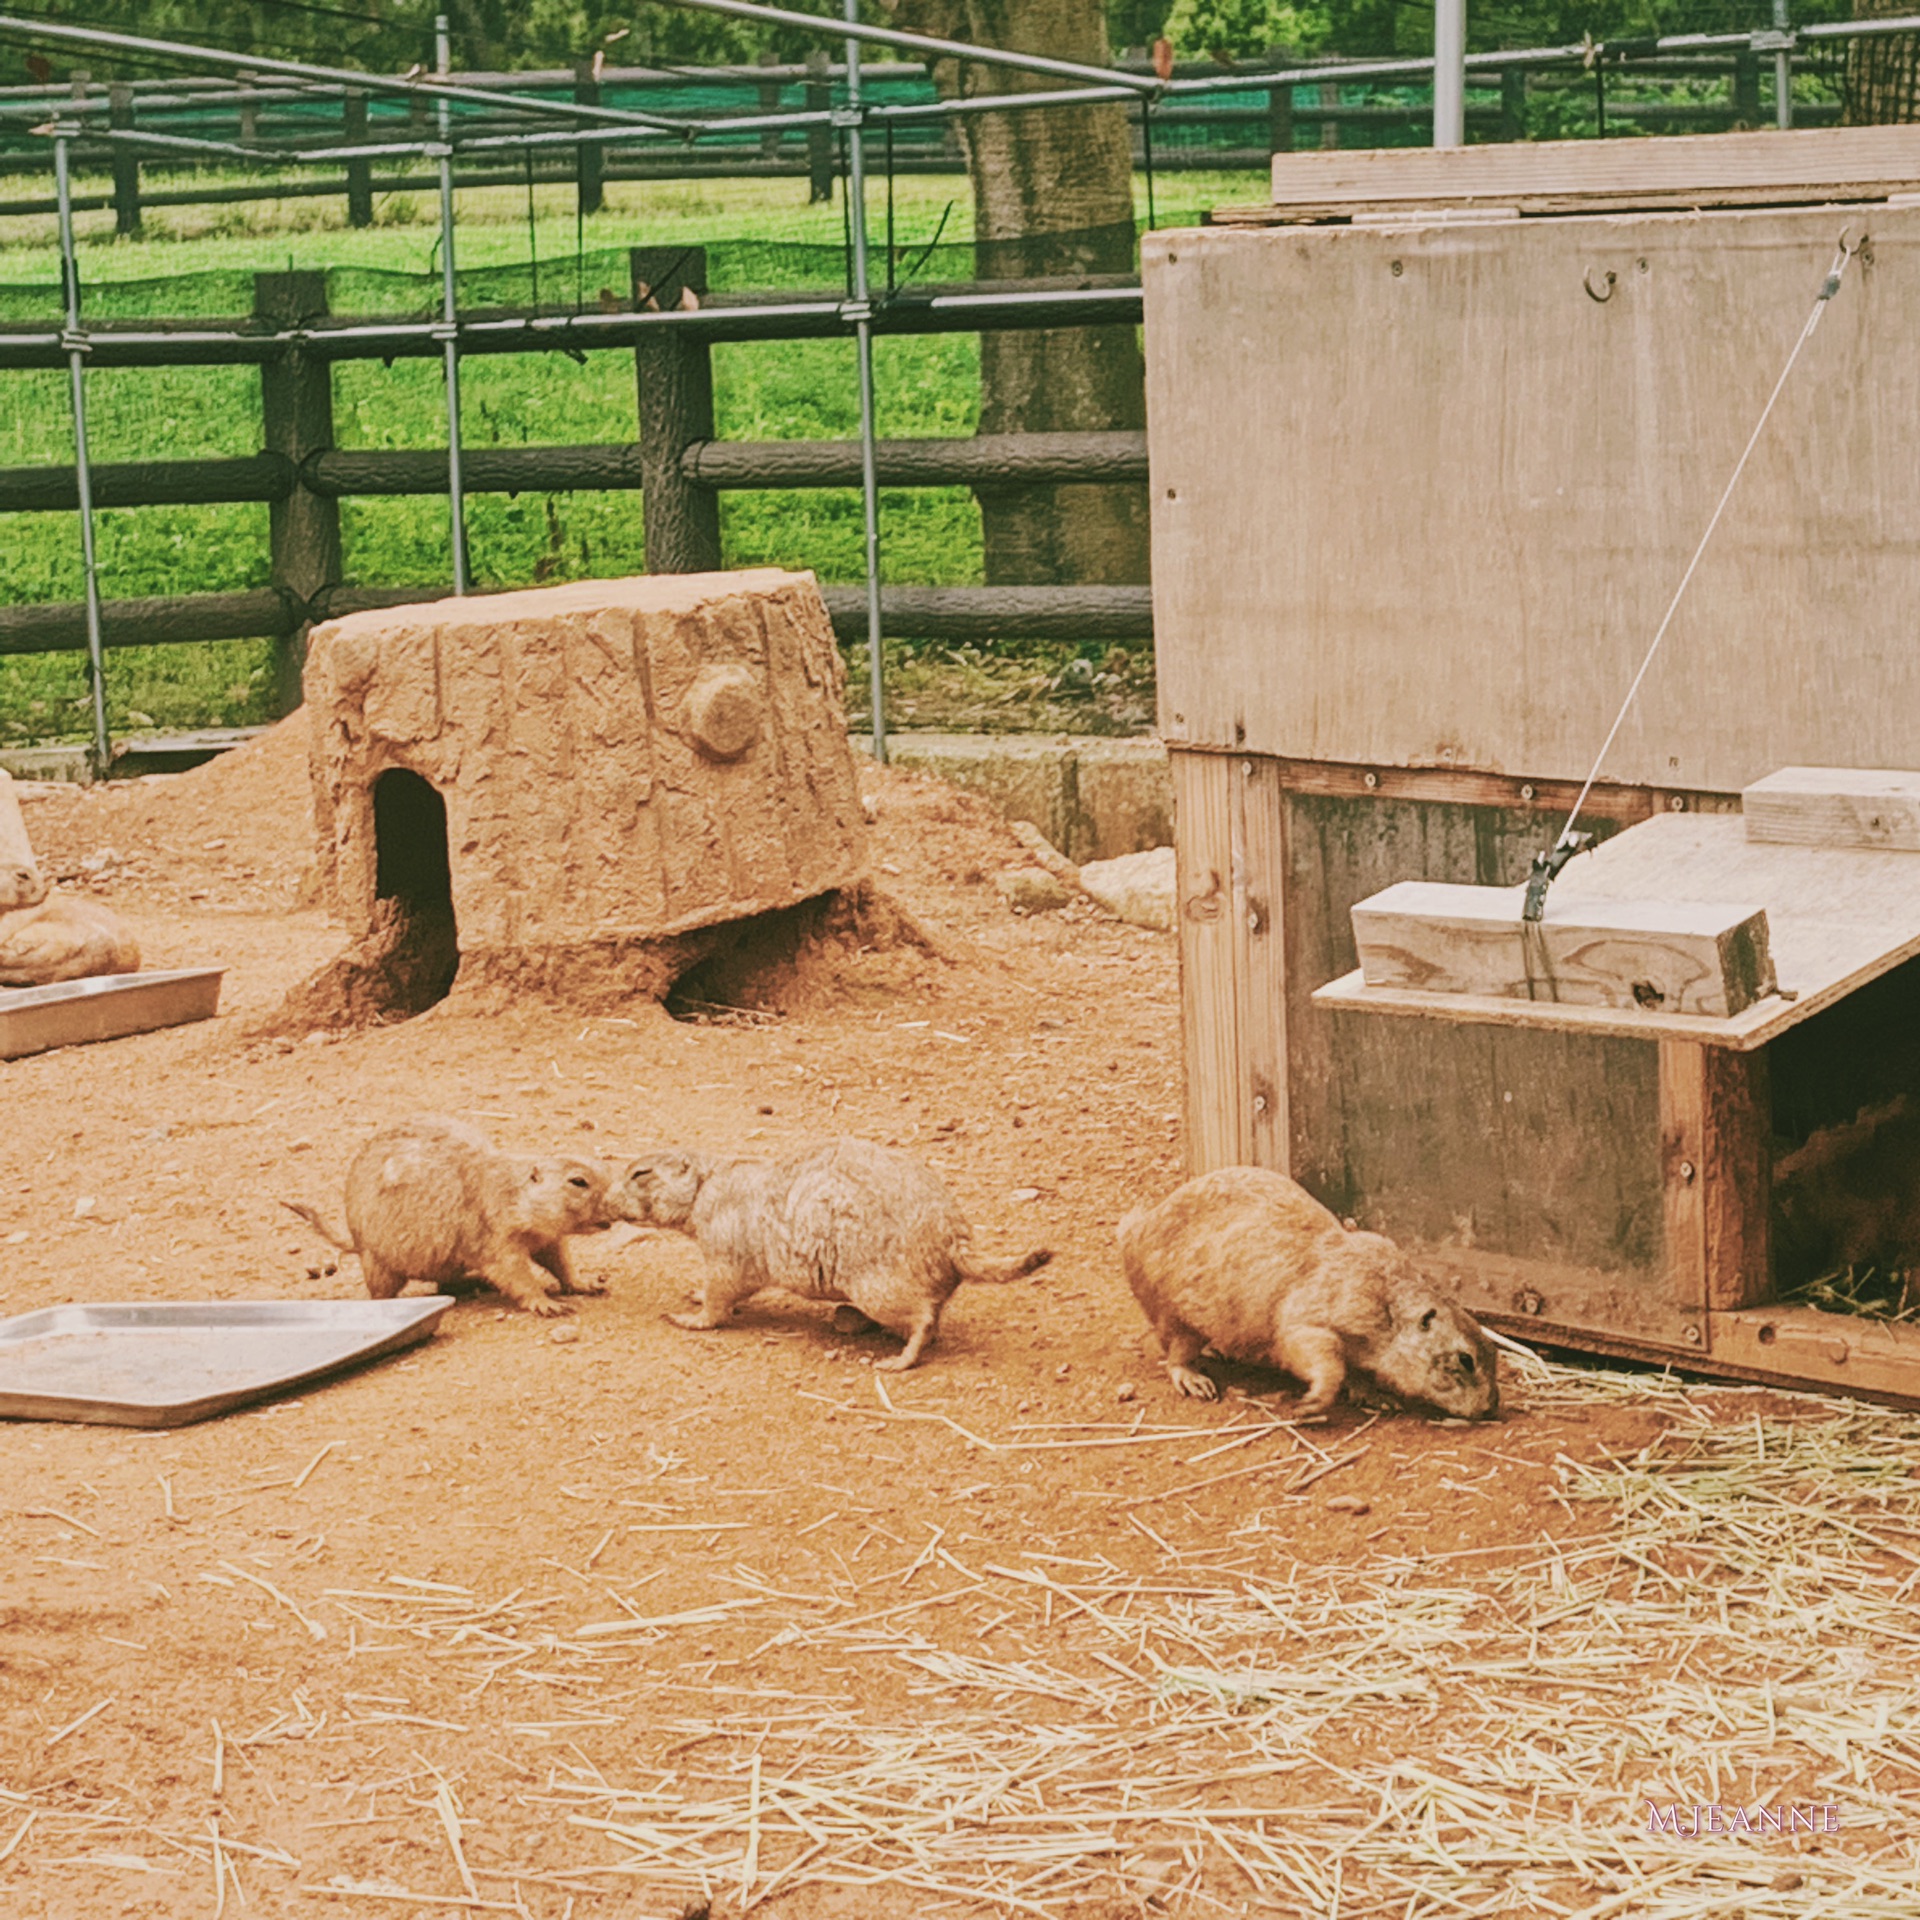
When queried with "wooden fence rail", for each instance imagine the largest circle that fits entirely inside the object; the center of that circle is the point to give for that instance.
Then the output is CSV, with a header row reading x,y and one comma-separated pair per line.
x,y
1006,459
676,463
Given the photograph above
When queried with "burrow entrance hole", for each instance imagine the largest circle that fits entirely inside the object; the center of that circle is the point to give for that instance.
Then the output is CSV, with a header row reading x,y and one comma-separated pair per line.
x,y
416,943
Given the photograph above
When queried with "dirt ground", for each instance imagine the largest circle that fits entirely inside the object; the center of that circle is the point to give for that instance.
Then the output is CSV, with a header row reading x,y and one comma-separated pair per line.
x,y
605,1618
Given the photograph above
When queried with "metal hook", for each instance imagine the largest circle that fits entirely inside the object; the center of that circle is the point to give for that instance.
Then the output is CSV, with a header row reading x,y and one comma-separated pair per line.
x,y
1592,294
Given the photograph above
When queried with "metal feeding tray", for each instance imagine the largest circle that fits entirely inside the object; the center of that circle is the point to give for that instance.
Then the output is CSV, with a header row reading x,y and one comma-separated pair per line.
x,y
108,1007
171,1363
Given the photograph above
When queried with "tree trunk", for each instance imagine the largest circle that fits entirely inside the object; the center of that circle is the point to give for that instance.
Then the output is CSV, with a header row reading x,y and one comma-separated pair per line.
x,y
1882,85
1052,195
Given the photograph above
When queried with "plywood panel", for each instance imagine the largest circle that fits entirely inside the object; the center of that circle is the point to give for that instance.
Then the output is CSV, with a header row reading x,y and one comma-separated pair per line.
x,y
1420,500
1494,1147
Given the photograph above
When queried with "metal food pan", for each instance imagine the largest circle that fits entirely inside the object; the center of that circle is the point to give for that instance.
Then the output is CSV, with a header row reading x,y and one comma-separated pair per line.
x,y
173,1362
108,1007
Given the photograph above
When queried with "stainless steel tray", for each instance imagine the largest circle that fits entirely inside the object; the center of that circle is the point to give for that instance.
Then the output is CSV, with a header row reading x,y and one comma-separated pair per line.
x,y
172,1362
108,1007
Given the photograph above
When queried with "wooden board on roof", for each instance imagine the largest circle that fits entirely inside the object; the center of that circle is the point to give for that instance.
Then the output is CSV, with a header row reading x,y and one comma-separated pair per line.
x,y
1837,918
1813,166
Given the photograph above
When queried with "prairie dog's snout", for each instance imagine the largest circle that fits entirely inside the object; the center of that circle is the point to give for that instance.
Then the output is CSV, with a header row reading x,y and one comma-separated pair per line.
x,y
657,1189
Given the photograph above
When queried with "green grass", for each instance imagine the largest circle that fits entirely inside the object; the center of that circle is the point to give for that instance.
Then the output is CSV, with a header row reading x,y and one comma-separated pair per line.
x,y
199,260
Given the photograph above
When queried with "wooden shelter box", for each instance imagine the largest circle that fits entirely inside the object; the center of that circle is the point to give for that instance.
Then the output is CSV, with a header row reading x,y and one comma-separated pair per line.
x,y
1433,437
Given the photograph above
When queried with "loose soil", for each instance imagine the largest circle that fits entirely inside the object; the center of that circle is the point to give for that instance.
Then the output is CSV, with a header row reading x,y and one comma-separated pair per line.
x,y
473,1628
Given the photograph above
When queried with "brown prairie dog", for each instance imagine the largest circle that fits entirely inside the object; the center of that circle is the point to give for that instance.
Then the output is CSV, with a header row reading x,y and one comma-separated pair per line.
x,y
429,1199
1248,1263
847,1221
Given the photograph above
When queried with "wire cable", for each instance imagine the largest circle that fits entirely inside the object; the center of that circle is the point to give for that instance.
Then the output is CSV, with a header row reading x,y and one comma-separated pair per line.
x,y
1829,287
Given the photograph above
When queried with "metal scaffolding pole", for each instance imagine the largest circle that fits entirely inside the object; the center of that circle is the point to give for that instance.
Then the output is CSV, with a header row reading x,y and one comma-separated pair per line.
x,y
1782,70
856,187
1449,73
76,365
449,326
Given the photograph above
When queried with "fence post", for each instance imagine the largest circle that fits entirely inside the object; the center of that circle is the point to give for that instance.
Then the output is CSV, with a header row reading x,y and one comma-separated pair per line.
x,y
296,414
1746,88
770,103
675,373
359,172
819,139
1329,125
1513,103
1279,119
590,158
126,161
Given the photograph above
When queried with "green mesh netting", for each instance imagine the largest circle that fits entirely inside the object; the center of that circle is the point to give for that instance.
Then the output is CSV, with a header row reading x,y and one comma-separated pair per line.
x,y
598,278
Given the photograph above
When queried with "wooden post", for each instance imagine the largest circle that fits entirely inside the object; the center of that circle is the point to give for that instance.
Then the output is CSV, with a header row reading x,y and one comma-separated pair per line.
x,y
1513,103
126,162
1279,119
1330,102
1746,88
770,103
249,107
1229,829
1715,1118
820,162
296,409
590,158
1210,988
675,373
359,172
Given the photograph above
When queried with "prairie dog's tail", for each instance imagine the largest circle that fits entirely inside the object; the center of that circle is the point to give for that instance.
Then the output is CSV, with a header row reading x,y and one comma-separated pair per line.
x,y
980,1266
312,1218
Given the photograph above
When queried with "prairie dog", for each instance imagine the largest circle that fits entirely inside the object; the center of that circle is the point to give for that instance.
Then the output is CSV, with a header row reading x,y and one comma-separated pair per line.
x,y
1250,1264
429,1199
847,1221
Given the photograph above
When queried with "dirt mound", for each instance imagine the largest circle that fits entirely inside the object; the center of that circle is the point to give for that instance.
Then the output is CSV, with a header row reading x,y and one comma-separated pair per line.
x,y
240,825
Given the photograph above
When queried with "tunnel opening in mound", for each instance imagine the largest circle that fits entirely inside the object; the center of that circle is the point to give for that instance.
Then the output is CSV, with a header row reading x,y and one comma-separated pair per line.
x,y
407,959
774,963
414,891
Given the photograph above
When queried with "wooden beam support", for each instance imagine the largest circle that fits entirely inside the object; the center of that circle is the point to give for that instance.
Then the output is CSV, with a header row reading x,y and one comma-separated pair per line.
x,y
1716,1174
1674,957
1229,830
1835,807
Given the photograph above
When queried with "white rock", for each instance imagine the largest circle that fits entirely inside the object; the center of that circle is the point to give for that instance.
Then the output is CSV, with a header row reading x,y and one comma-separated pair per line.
x,y
1137,887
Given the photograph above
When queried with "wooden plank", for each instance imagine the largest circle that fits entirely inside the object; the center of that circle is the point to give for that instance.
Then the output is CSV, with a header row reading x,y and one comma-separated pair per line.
x,y
1875,1359
1687,170
1837,918
1203,798
1716,1175
1835,807
1684,956
1263,1037
1582,443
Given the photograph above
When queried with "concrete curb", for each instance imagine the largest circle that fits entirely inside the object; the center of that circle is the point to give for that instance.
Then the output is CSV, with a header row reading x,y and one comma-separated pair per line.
x,y
1094,798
